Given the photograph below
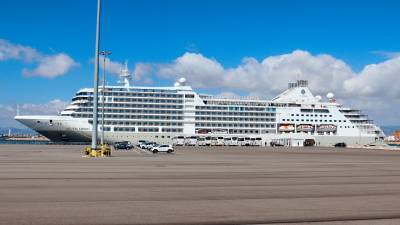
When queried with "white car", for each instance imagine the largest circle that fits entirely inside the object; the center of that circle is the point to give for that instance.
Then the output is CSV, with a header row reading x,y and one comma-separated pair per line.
x,y
147,145
141,142
162,148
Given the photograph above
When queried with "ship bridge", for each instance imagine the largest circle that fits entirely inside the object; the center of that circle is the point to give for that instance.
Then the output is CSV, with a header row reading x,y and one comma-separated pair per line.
x,y
297,92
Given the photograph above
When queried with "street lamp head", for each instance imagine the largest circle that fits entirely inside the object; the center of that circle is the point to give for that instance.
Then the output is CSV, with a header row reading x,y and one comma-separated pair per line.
x,y
105,53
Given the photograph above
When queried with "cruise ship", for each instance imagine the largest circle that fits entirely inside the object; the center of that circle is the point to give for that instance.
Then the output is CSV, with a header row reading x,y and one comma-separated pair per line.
x,y
133,113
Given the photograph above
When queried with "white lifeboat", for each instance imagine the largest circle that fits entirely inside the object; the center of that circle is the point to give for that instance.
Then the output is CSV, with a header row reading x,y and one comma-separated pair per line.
x,y
305,128
327,128
286,127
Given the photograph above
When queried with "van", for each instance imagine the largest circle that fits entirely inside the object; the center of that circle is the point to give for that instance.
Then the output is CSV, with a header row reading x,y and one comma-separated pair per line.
x,y
201,141
178,141
214,141
220,141
258,141
227,141
208,141
240,141
191,141
234,141
247,141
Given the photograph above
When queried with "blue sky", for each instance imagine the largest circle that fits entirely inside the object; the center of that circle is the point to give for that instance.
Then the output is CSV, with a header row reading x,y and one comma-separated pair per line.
x,y
159,32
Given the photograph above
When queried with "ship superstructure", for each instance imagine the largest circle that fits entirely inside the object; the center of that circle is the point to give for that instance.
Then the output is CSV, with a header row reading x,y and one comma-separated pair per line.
x,y
161,113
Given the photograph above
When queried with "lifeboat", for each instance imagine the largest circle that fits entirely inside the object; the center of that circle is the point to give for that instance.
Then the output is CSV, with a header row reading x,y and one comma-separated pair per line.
x,y
219,131
203,131
305,128
326,128
286,127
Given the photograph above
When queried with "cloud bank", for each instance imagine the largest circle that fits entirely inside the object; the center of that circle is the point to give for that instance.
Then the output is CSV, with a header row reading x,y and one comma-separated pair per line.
x,y
48,66
373,89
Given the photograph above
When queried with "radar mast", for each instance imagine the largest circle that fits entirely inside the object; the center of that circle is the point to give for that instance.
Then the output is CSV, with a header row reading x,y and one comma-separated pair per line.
x,y
125,76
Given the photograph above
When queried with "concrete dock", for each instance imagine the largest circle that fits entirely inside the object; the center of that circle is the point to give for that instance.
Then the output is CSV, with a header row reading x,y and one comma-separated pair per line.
x,y
55,185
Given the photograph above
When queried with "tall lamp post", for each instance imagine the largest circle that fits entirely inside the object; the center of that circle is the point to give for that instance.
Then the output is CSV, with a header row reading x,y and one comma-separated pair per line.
x,y
104,54
96,79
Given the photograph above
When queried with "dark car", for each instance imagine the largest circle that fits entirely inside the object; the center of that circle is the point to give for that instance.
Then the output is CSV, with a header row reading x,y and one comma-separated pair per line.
x,y
309,142
340,145
123,145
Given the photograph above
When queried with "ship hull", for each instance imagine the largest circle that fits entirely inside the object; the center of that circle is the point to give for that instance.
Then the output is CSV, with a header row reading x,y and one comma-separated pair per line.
x,y
56,128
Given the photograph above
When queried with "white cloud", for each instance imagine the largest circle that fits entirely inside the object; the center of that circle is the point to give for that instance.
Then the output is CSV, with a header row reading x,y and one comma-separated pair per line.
x,y
374,89
7,112
387,54
139,72
268,77
48,66
52,66
227,94
9,50
376,80
198,70
112,67
52,107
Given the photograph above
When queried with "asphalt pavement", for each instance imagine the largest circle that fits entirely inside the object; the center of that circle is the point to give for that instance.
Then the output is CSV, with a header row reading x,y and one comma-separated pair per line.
x,y
210,185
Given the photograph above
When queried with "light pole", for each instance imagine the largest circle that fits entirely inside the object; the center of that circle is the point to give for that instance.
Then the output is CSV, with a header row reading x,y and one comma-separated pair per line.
x,y
104,54
96,79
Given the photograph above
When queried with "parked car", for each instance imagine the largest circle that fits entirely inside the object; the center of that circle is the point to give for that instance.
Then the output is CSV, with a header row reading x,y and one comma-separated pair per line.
x,y
147,145
340,145
141,142
276,144
123,145
309,142
162,148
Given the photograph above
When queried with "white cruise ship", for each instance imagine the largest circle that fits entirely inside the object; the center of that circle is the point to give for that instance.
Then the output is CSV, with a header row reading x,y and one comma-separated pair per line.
x,y
133,113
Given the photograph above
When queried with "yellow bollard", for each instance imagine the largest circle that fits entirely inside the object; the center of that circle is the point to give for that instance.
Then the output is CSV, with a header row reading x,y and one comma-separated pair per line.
x,y
103,151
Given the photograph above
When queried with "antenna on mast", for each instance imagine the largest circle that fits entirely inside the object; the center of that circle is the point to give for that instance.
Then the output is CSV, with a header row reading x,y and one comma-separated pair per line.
x,y
17,109
124,75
